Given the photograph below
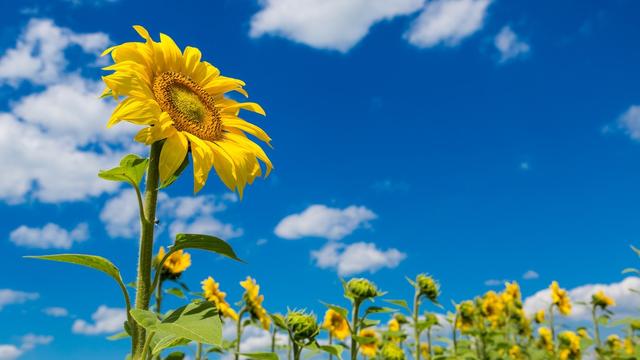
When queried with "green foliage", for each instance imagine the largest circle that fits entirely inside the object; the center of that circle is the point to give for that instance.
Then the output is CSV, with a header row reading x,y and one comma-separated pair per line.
x,y
204,242
131,170
261,355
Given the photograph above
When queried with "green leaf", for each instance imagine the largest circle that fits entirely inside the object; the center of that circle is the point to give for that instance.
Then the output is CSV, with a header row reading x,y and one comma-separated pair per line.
x,y
261,355
335,350
118,336
378,310
197,321
365,323
401,303
176,355
131,170
175,292
364,340
204,242
278,320
145,318
176,174
162,340
339,309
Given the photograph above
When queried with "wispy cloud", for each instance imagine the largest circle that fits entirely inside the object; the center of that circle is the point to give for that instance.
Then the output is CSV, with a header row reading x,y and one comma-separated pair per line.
x,y
509,44
9,297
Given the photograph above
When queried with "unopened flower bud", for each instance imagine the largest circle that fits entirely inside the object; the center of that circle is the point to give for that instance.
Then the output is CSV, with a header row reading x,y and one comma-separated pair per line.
x,y
303,326
361,289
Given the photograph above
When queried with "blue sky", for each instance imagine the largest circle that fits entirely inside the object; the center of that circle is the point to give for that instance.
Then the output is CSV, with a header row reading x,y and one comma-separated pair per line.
x,y
475,140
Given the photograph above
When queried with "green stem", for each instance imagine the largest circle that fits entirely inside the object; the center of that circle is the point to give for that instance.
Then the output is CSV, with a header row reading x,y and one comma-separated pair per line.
x,y
239,333
159,298
354,330
430,346
330,343
296,350
145,346
454,336
199,352
416,329
552,327
273,339
596,328
145,253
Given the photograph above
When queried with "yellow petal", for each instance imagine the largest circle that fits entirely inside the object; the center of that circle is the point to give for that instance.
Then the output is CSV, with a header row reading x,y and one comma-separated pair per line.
x,y
172,155
202,161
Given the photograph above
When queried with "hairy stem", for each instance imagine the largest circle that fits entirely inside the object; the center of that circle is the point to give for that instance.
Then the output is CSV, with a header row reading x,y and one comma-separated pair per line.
x,y
354,330
145,253
416,329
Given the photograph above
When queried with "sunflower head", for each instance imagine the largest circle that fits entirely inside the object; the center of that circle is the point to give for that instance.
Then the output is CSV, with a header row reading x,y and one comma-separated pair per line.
x,y
180,99
492,308
369,347
515,353
301,325
545,339
614,343
360,289
512,295
424,350
569,345
211,290
427,287
392,351
253,302
466,315
600,299
335,324
560,298
539,316
175,265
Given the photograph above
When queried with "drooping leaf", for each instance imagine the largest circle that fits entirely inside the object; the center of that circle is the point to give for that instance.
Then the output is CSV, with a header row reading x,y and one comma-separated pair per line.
x,y
131,170
378,310
401,303
204,242
261,355
175,292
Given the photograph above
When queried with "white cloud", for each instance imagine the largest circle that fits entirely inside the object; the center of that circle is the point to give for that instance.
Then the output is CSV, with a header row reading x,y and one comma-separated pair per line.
x,y
510,45
447,22
106,320
9,296
254,339
530,275
183,214
326,24
356,258
626,300
39,53
56,311
630,122
325,222
50,236
494,282
9,352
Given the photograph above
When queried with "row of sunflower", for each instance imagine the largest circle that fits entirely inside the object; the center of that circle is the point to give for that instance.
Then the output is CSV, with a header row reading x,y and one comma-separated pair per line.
x,y
182,104
492,326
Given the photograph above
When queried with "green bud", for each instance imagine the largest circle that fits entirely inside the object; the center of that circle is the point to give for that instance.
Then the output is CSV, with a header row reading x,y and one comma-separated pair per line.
x,y
391,351
303,326
361,289
401,319
438,350
428,287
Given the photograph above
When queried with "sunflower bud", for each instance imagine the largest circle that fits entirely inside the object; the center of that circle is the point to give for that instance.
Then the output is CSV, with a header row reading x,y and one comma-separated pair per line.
x,y
401,319
360,289
391,351
600,299
302,326
427,287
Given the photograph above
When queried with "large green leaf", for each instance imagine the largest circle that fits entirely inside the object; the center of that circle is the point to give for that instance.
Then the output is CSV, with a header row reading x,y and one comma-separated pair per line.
x,y
162,340
335,350
401,303
378,310
176,355
204,242
197,321
131,170
261,355
95,262
175,292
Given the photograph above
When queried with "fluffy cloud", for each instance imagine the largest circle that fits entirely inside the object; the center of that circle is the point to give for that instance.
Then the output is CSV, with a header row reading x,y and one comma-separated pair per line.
x,y
8,297
510,45
447,22
326,24
530,275
325,222
50,236
626,300
56,311
39,53
183,214
629,121
29,342
9,352
356,258
106,320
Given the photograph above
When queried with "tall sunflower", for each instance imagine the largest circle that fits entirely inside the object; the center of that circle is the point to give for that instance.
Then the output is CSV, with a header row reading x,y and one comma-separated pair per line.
x,y
181,99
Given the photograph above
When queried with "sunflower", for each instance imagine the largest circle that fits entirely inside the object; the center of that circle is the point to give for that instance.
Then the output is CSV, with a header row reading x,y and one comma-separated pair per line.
x,y
569,345
212,293
369,349
545,338
492,308
175,264
512,294
180,99
335,324
602,300
560,298
253,301
539,316
424,350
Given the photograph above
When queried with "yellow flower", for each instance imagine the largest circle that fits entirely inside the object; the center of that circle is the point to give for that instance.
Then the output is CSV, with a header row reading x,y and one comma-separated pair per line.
x,y
176,263
629,348
560,298
424,350
602,300
583,333
569,345
335,324
369,349
539,317
515,353
254,302
492,307
512,294
546,339
466,312
212,293
394,325
181,99
614,343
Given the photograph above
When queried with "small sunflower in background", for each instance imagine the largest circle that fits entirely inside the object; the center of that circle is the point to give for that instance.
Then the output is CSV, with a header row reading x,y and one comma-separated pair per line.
x,y
370,348
253,301
180,99
175,264
212,292
560,299
600,299
335,324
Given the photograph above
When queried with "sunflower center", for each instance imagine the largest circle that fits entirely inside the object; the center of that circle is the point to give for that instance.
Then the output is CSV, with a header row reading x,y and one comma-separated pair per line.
x,y
191,108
